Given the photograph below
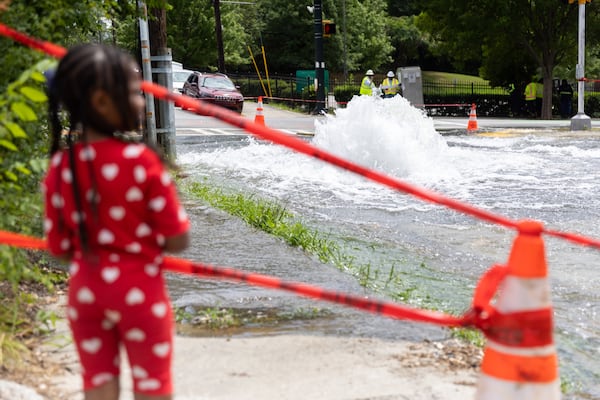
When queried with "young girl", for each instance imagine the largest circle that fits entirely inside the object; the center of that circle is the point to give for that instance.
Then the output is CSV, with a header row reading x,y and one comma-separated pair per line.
x,y
111,211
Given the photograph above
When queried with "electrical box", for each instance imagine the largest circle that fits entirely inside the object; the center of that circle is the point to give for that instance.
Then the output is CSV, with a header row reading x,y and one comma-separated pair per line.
x,y
412,85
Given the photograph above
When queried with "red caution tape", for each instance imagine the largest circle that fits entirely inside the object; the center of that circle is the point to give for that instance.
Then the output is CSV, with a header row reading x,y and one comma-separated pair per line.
x,y
301,146
47,47
507,329
391,310
522,329
518,329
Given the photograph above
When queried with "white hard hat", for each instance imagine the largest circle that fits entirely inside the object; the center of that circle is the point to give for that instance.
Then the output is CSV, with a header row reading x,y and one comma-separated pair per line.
x,y
370,72
390,74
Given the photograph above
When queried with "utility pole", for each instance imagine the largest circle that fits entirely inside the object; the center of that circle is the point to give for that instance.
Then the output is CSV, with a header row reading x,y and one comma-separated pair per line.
x,y
219,35
319,63
344,39
581,121
161,55
150,135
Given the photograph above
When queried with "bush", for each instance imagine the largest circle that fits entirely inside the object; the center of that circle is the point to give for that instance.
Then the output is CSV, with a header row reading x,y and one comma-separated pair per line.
x,y
344,94
23,159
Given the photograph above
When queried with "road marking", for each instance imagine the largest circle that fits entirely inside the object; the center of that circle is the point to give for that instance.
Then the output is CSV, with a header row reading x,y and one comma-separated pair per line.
x,y
231,131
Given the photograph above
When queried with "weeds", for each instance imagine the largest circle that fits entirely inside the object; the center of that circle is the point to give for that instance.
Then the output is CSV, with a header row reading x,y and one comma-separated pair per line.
x,y
215,318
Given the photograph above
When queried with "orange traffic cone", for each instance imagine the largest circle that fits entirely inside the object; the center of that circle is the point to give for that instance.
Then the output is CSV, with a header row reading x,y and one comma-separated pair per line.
x,y
520,360
472,125
259,118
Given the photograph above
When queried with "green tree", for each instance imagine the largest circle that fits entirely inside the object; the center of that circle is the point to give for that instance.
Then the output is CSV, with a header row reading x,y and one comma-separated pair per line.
x,y
369,44
410,45
531,35
64,22
191,34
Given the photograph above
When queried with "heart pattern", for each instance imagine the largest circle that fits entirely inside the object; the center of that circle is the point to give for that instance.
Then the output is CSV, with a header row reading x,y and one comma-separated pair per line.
x,y
72,313
135,335
102,378
75,217
134,296
109,171
67,176
122,222
143,230
91,345
182,215
105,236
133,151
73,268
85,296
161,349
56,160
116,212
165,178
157,204
57,201
151,270
138,372
134,194
139,174
65,244
47,225
134,248
159,310
148,384
87,154
110,274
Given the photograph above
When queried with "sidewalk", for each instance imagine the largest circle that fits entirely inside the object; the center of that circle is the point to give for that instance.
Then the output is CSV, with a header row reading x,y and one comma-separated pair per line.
x,y
299,367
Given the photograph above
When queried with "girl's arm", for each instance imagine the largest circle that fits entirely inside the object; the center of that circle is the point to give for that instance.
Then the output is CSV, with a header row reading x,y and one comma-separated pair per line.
x,y
178,243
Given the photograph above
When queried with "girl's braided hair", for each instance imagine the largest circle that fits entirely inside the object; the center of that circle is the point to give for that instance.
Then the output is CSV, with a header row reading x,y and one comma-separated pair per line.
x,y
84,69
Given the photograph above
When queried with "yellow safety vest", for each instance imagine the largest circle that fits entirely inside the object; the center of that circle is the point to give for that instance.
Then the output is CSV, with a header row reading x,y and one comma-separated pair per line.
x,y
366,87
530,91
539,90
390,86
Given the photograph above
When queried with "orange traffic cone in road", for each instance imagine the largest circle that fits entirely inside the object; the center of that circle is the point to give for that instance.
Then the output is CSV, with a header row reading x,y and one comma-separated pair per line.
x,y
520,360
259,118
472,125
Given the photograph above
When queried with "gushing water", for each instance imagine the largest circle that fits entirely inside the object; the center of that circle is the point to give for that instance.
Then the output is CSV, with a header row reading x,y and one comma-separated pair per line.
x,y
386,135
436,254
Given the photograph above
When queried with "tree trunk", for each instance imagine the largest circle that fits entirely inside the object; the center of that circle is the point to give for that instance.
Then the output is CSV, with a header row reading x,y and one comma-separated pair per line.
x,y
157,28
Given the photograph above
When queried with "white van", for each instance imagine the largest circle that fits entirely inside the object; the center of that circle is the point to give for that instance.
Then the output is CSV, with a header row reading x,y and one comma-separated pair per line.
x,y
179,78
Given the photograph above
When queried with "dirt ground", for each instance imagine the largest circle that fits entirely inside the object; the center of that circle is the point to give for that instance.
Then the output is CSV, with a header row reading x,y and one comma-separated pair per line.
x,y
275,367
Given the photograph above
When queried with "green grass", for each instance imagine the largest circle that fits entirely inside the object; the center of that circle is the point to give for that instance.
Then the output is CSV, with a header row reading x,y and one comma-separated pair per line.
x,y
451,77
274,219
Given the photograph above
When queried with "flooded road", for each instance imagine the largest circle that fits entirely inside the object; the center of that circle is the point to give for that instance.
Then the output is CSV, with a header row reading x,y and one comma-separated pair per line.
x,y
420,253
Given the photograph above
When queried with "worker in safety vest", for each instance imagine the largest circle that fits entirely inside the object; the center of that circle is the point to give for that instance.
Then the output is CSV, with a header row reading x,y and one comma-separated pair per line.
x,y
390,86
367,85
530,97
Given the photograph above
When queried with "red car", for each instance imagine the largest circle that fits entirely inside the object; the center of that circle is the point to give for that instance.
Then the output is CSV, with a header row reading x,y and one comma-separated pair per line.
x,y
214,88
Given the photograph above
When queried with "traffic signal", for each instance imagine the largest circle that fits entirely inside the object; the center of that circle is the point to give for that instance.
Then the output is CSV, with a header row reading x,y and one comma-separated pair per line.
x,y
328,28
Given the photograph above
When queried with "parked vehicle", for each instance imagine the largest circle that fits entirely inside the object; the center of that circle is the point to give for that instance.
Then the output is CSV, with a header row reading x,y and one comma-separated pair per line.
x,y
179,78
215,88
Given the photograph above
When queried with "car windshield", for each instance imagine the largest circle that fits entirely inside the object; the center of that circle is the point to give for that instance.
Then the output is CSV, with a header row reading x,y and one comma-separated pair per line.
x,y
218,83
180,76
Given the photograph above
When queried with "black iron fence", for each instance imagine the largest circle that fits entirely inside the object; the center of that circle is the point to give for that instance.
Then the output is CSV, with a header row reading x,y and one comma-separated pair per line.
x,y
441,98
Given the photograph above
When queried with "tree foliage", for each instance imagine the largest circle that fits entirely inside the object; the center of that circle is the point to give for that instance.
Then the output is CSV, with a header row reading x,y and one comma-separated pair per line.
x,y
523,36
